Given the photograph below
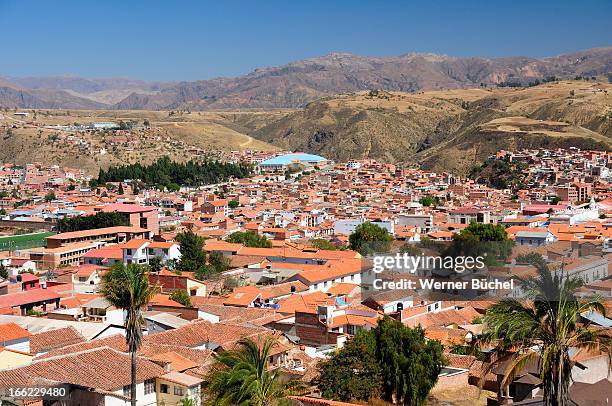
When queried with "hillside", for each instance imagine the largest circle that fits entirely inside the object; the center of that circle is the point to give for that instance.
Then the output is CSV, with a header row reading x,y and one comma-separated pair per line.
x,y
298,83
448,130
443,130
180,136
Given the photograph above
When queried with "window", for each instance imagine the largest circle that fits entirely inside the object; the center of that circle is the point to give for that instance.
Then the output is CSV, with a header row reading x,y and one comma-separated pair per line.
x,y
163,388
128,251
127,390
178,391
149,386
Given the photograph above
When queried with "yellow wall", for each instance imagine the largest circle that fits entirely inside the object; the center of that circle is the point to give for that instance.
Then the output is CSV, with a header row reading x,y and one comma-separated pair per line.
x,y
11,359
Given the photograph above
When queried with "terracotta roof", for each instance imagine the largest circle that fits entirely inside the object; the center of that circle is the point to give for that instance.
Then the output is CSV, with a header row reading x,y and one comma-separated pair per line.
x,y
176,361
201,332
28,297
181,379
49,340
101,368
11,332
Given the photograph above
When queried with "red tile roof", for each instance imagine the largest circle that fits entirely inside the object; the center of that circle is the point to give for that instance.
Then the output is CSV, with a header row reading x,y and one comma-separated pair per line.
x,y
11,332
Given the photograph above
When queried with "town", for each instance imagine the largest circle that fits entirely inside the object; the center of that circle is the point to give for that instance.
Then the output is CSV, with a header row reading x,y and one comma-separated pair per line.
x,y
282,255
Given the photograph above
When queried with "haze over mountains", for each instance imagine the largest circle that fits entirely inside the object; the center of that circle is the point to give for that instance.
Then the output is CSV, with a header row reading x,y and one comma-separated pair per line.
x,y
298,83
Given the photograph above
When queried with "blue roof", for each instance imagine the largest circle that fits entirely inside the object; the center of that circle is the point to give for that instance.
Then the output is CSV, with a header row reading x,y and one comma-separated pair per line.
x,y
290,158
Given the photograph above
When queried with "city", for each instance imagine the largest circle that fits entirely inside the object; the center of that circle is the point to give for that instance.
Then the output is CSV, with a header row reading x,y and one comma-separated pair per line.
x,y
323,203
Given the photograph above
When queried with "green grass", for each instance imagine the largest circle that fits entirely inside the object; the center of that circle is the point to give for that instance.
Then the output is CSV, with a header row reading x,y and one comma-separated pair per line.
x,y
23,241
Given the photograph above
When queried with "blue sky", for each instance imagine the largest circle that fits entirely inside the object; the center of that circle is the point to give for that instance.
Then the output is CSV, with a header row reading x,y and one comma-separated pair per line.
x,y
187,40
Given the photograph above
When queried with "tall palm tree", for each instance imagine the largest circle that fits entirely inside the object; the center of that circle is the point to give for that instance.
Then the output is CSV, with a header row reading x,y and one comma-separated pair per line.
x,y
128,288
242,376
543,330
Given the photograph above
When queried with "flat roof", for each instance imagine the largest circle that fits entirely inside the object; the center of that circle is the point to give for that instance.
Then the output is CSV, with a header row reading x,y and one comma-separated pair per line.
x,y
96,231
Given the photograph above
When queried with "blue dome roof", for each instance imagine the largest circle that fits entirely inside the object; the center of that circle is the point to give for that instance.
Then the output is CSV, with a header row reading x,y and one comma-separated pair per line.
x,y
290,158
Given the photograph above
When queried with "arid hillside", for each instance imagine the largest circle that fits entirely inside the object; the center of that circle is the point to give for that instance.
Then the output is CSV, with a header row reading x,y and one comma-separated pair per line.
x,y
151,135
442,130
448,130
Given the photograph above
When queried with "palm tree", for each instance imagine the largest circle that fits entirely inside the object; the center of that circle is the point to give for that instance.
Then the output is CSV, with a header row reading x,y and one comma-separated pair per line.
x,y
242,376
543,330
128,288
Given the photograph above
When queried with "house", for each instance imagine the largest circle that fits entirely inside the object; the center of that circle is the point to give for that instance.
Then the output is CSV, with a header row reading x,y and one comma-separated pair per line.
x,y
17,265
534,238
219,206
27,281
467,215
14,337
30,300
103,256
109,385
87,278
101,310
176,386
333,324
322,277
139,251
168,282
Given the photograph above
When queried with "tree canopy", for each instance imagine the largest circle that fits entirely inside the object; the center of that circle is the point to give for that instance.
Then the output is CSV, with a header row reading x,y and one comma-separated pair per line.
x,y
369,238
181,296
487,240
193,257
323,244
165,173
249,239
98,220
352,373
392,361
242,376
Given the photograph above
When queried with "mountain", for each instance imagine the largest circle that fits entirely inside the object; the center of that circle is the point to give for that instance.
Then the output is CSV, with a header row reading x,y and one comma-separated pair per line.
x,y
15,96
298,83
448,130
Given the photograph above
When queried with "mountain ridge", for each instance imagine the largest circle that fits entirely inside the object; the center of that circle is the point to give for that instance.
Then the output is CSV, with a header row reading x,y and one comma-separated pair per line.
x,y
299,82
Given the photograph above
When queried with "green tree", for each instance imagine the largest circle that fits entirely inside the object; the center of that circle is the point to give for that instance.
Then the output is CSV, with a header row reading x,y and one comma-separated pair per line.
x,y
50,196
98,220
204,272
369,238
128,288
120,191
193,256
489,241
181,296
353,372
323,244
243,377
232,204
4,274
165,172
427,201
218,261
544,331
155,264
249,239
410,364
